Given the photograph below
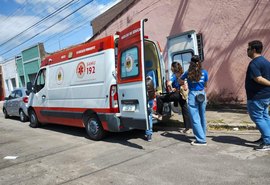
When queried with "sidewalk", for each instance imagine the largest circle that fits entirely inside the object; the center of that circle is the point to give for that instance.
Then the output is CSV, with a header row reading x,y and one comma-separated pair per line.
x,y
221,117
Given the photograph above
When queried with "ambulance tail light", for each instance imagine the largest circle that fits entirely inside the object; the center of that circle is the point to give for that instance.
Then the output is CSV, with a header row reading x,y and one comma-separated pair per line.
x,y
114,99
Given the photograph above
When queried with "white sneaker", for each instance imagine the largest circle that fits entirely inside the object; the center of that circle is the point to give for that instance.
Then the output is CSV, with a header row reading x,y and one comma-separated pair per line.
x,y
196,143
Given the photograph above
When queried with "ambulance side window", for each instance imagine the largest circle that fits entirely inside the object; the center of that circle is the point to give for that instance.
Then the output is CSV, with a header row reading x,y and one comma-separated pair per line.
x,y
183,59
40,80
129,63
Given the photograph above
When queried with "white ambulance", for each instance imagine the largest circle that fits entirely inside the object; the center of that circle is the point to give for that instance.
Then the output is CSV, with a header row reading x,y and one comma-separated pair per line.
x,y
99,85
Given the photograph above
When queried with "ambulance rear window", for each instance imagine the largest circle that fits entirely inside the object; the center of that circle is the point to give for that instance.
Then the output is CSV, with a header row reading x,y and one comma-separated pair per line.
x,y
129,63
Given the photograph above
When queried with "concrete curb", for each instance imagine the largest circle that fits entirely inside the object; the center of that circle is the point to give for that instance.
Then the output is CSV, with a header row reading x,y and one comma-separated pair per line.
x,y
234,127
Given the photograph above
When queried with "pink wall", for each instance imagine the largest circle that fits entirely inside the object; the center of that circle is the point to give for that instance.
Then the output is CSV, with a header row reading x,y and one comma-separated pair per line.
x,y
227,27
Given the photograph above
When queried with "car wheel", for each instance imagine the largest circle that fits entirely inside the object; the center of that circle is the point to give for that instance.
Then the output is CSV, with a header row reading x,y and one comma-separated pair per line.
x,y
5,113
34,123
94,128
23,117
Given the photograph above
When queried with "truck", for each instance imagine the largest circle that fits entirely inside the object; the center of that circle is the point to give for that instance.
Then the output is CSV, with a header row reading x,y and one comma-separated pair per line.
x,y
98,85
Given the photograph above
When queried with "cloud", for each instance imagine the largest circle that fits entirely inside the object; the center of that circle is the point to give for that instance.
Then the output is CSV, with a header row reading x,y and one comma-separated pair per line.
x,y
8,30
1,59
35,11
20,1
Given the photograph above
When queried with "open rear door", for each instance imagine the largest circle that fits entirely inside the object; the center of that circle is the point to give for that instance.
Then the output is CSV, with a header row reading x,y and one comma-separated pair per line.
x,y
131,77
181,48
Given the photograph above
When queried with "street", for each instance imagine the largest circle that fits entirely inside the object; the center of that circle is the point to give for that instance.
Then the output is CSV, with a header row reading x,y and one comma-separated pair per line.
x,y
57,154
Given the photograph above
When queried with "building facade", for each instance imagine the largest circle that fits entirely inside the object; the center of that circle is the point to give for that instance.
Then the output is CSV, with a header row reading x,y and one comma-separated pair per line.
x,y
20,70
10,77
226,27
28,63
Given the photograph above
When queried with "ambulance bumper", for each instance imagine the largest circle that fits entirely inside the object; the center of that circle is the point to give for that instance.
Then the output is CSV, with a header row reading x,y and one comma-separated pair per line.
x,y
114,123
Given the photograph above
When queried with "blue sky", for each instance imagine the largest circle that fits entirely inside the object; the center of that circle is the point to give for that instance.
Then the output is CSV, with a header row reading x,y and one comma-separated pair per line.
x,y
24,23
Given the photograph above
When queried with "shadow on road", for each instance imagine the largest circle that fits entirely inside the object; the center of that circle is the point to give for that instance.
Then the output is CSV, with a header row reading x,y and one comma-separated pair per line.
x,y
120,138
124,138
178,136
232,140
74,131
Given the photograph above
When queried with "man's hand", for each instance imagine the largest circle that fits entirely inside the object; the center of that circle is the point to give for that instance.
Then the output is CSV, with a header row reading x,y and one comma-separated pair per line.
x,y
261,80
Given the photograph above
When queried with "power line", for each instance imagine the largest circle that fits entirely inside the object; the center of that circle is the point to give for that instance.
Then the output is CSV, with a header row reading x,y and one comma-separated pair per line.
x,y
37,23
47,28
21,8
79,26
80,23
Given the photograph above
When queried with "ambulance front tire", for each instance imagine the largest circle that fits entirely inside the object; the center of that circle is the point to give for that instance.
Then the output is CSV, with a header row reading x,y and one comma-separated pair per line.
x,y
34,123
94,128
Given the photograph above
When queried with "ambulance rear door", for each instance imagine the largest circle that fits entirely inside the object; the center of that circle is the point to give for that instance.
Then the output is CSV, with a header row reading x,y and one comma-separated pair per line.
x,y
131,77
181,48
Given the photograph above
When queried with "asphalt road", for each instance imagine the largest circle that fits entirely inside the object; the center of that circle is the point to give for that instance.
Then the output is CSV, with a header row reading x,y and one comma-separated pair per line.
x,y
57,154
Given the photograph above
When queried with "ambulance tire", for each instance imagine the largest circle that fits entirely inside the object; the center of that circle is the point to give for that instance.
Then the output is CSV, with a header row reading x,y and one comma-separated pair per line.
x,y
34,123
94,128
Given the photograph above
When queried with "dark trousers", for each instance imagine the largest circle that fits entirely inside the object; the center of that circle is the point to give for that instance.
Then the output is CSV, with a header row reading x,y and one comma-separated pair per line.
x,y
176,98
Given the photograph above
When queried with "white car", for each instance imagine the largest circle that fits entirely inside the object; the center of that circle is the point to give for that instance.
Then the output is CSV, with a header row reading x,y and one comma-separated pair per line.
x,y
16,104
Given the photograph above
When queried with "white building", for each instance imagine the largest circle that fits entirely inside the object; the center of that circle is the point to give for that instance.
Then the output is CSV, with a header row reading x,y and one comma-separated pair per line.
x,y
10,77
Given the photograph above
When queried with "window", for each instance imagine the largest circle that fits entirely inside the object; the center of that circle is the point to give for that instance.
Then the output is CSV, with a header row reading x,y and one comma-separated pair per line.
x,y
129,63
18,94
12,95
8,88
22,81
13,82
40,81
183,59
32,77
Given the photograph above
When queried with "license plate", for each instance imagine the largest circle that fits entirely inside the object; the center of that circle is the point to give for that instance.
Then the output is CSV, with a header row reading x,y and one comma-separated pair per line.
x,y
129,108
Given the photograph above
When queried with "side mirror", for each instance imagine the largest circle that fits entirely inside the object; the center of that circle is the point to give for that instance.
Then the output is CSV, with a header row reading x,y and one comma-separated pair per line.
x,y
29,87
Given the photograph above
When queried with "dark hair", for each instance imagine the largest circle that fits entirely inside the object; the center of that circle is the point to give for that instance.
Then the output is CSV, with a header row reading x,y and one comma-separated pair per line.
x,y
194,70
177,68
257,45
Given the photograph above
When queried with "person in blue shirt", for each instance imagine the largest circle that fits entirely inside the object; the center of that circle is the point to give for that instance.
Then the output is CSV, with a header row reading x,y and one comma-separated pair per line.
x,y
197,81
174,96
257,85
151,91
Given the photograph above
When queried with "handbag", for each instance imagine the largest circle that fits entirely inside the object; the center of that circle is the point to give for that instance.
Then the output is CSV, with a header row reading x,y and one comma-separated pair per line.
x,y
183,93
200,98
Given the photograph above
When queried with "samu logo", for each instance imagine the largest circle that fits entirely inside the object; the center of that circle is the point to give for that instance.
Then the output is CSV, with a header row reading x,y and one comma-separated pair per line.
x,y
80,70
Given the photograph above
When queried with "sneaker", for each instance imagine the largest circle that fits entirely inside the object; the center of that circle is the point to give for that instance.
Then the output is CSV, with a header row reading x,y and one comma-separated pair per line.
x,y
263,147
259,141
196,143
149,138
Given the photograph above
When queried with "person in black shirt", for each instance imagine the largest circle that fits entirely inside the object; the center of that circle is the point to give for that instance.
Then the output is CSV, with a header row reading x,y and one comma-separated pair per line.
x,y
257,85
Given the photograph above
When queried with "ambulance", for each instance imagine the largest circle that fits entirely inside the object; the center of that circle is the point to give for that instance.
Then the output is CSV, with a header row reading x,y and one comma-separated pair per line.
x,y
99,85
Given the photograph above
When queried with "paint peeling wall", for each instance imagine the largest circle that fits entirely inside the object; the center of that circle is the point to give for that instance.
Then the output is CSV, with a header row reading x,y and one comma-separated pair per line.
x,y
227,27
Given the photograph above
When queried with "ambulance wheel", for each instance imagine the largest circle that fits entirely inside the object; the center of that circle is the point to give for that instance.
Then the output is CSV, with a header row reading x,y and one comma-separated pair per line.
x,y
94,128
34,123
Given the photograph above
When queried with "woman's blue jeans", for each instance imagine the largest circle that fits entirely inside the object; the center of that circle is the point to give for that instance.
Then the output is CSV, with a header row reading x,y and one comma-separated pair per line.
x,y
150,108
259,113
197,115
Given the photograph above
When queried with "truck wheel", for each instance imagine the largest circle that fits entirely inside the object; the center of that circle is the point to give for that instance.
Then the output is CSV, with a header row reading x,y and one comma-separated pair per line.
x,y
23,117
33,119
94,128
5,113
